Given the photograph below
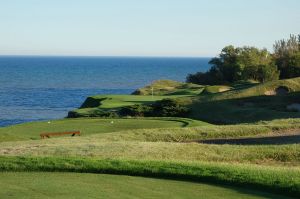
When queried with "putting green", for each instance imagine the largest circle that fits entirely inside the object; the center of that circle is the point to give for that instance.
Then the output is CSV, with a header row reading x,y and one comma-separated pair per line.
x,y
74,185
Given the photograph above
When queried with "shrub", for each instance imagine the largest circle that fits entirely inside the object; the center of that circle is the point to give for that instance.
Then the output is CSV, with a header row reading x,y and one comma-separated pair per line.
x,y
162,108
137,110
169,108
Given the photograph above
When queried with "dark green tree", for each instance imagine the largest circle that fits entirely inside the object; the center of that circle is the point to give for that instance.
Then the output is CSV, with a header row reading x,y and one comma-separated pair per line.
x,y
235,64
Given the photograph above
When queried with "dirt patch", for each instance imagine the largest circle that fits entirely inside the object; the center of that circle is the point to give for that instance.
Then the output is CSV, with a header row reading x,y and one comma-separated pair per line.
x,y
281,90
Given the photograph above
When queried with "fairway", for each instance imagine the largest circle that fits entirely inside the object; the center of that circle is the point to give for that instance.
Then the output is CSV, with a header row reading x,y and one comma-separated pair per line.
x,y
73,185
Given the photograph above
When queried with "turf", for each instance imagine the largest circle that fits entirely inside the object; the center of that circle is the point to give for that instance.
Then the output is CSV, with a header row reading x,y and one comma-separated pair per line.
x,y
279,180
71,185
89,126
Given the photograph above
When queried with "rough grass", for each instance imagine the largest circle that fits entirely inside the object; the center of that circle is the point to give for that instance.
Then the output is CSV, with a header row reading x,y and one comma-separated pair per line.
x,y
280,155
66,185
285,181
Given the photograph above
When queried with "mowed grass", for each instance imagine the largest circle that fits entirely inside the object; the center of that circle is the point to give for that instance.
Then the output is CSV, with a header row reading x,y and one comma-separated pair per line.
x,y
280,180
74,185
89,126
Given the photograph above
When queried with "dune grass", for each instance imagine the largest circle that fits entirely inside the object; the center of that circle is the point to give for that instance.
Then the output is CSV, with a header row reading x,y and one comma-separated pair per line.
x,y
66,185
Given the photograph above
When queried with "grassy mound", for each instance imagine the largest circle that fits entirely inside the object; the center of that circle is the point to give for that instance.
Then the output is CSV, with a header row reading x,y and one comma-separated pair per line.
x,y
169,87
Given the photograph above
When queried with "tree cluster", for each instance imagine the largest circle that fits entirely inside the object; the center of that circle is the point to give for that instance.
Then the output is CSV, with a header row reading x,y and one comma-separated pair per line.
x,y
250,63
287,56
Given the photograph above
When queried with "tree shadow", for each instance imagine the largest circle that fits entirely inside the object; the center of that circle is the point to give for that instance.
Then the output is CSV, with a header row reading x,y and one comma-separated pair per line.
x,y
247,110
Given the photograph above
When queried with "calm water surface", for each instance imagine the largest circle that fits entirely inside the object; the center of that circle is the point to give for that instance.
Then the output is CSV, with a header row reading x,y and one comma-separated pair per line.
x,y
44,88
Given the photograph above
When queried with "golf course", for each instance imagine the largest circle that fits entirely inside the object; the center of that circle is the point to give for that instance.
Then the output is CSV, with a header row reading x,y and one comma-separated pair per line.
x,y
234,141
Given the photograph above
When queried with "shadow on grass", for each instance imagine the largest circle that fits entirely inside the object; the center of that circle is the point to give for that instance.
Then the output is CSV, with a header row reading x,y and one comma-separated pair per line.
x,y
246,110
273,140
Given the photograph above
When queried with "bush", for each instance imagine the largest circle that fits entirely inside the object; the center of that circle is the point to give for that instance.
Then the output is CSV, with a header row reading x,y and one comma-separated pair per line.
x,y
137,110
162,108
169,108
101,113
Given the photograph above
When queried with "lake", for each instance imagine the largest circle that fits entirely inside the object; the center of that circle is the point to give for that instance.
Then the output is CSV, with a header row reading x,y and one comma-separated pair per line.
x,y
45,88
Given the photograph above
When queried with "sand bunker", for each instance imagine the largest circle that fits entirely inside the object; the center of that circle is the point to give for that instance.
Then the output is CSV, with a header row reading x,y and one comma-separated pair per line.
x,y
281,90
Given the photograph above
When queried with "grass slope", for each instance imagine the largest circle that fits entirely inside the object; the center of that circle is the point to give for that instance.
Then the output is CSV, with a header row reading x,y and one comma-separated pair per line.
x,y
66,185
246,105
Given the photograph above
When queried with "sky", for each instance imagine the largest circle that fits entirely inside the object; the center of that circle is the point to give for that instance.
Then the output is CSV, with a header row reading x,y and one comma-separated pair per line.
x,y
184,28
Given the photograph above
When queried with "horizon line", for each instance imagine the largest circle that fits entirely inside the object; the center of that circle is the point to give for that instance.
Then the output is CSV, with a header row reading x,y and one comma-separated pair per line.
x,y
107,56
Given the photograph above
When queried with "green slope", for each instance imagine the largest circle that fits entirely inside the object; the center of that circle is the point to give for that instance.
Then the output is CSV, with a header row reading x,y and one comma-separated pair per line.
x,y
247,105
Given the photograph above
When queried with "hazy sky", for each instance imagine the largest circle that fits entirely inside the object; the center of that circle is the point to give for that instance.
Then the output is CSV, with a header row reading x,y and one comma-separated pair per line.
x,y
142,27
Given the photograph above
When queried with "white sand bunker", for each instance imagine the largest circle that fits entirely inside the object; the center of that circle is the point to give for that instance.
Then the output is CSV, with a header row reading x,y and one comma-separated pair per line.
x,y
281,90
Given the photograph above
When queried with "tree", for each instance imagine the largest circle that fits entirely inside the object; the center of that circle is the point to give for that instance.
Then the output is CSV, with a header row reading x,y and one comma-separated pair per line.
x,y
235,64
287,56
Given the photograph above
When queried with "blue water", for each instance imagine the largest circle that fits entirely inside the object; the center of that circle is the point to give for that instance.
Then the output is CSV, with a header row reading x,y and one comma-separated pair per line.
x,y
44,88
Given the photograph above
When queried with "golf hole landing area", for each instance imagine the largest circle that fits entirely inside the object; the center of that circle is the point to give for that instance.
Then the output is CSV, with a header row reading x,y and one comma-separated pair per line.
x,y
75,185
